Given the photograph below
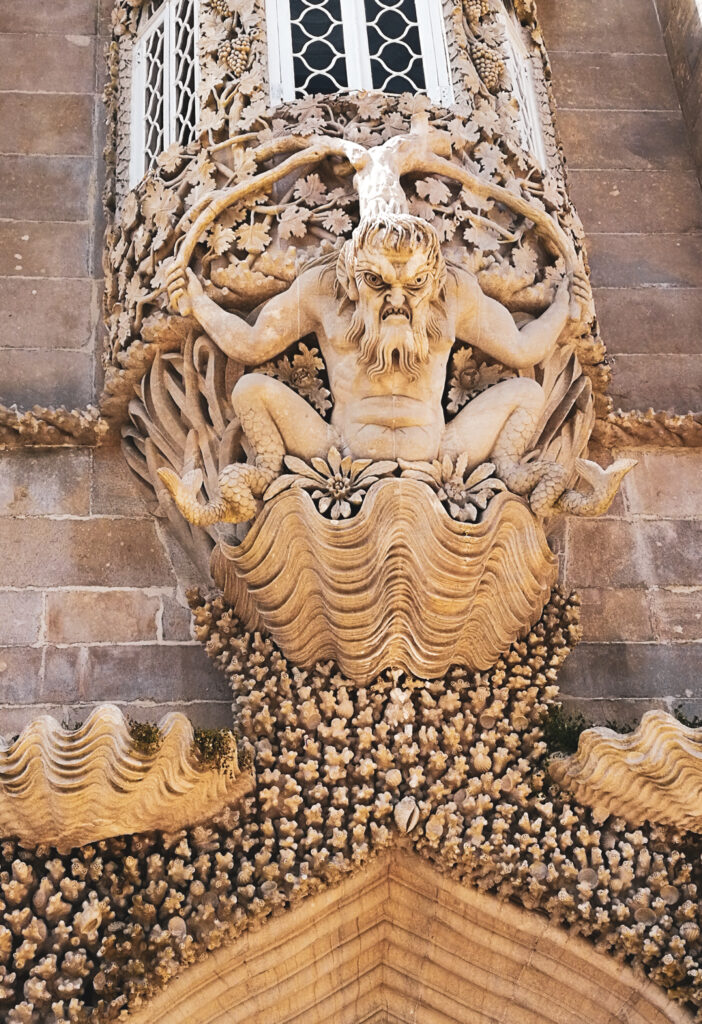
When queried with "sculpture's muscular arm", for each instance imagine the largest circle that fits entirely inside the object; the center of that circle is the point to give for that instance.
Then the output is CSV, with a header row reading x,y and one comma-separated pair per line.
x,y
284,319
485,323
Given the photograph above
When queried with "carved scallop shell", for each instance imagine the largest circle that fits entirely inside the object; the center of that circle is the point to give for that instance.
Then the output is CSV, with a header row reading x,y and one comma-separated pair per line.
x,y
400,585
653,774
72,788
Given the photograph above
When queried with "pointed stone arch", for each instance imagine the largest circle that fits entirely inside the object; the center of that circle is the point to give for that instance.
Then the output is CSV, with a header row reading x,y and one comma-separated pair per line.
x,y
400,942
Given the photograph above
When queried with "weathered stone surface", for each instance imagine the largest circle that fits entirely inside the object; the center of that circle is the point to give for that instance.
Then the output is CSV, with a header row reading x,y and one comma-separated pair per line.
x,y
636,140
632,670
20,616
625,26
616,614
677,613
40,248
673,551
612,81
20,675
57,377
637,201
41,483
641,260
616,712
48,187
651,320
610,551
151,672
73,16
51,314
643,381
82,552
67,63
75,616
176,619
116,490
46,123
666,484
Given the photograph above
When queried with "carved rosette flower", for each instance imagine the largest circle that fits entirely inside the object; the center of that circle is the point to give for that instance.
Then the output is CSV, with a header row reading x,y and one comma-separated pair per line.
x,y
464,497
302,374
337,485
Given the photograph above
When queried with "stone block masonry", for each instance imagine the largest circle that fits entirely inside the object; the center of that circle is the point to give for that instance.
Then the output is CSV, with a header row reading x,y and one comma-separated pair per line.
x,y
91,595
90,607
634,180
640,577
51,140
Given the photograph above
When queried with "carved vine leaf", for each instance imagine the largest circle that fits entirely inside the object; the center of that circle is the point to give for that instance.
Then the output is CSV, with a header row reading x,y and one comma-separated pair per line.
x,y
302,374
337,485
464,495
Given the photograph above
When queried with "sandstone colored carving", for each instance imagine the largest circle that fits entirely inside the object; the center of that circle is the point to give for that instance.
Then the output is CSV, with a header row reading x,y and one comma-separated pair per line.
x,y
651,774
69,788
662,429
402,942
400,584
387,310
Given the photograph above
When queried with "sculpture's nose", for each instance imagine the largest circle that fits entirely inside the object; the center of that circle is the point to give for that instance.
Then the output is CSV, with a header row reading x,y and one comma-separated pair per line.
x,y
396,297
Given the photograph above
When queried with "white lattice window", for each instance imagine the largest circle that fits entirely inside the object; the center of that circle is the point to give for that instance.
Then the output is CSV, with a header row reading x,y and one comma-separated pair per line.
x,y
165,76
326,46
519,65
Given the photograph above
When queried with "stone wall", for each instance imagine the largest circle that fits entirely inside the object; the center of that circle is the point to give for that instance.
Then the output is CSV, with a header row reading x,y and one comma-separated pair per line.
x,y
91,595
681,21
633,181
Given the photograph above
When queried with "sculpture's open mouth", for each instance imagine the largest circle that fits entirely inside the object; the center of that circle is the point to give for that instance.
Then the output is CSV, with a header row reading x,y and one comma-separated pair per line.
x,y
400,311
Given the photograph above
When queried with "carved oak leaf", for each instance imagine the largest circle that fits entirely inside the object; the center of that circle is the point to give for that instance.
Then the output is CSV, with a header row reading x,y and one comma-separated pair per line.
x,y
525,259
485,116
311,190
421,208
433,190
293,221
253,237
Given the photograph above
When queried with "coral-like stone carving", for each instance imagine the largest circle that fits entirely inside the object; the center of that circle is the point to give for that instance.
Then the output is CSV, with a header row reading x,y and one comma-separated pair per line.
x,y
652,774
51,427
400,584
69,788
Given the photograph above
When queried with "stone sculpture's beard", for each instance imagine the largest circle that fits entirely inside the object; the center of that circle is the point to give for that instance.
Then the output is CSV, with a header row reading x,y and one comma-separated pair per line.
x,y
382,346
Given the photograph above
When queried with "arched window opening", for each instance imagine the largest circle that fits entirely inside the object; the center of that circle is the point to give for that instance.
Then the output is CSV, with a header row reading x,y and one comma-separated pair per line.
x,y
327,46
165,73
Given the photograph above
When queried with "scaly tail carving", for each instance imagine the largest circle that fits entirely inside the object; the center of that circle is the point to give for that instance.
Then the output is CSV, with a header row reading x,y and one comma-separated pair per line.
x,y
545,484
240,487
604,483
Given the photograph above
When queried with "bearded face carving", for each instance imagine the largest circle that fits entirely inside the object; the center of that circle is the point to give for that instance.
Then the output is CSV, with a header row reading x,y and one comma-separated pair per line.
x,y
393,271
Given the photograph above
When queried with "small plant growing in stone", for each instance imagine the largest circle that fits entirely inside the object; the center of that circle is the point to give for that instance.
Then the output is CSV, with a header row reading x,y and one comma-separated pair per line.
x,y
146,736
216,748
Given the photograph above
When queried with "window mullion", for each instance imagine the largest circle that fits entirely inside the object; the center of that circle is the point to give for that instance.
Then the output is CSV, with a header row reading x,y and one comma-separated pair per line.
x,y
434,52
280,51
137,141
170,104
358,67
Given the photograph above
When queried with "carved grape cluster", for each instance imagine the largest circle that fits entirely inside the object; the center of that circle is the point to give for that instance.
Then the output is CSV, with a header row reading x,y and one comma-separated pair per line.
x,y
474,10
235,54
488,64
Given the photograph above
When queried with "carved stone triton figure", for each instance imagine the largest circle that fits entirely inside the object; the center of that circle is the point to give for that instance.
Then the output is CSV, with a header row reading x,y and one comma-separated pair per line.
x,y
386,312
